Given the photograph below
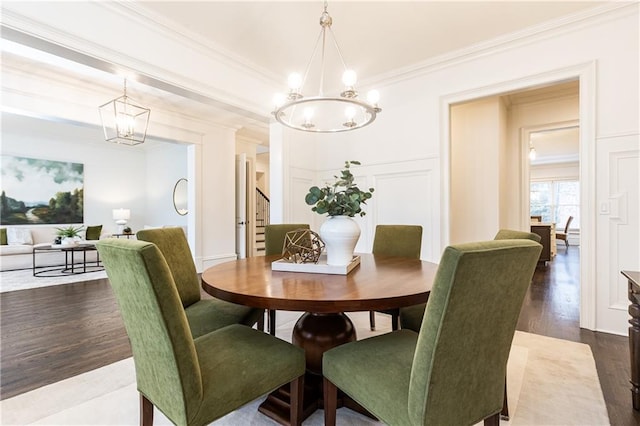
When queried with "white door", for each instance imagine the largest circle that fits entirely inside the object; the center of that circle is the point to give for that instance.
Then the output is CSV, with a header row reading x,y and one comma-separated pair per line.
x,y
241,206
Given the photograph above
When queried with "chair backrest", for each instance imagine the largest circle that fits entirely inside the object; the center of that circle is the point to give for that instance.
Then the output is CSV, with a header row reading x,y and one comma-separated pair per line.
x,y
167,368
509,234
566,227
274,236
174,247
467,331
398,240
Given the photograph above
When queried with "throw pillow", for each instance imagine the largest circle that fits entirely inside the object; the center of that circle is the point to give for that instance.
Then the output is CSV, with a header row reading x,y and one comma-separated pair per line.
x,y
19,236
3,236
93,232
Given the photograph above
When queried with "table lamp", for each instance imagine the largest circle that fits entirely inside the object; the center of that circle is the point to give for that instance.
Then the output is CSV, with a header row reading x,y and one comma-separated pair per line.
x,y
121,216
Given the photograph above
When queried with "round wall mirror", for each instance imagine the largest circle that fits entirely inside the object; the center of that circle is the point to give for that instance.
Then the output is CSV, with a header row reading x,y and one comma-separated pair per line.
x,y
180,197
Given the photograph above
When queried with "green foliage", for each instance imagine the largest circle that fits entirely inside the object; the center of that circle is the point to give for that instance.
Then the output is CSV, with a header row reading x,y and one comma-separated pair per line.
x,y
339,202
69,231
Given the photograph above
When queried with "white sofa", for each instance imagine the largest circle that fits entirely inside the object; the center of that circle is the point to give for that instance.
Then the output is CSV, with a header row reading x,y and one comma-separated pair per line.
x,y
20,256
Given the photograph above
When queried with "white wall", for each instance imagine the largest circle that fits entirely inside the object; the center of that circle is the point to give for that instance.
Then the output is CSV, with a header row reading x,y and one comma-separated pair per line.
x,y
114,175
476,151
165,164
413,125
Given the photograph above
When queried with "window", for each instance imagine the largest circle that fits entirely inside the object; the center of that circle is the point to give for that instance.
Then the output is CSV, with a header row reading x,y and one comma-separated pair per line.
x,y
555,201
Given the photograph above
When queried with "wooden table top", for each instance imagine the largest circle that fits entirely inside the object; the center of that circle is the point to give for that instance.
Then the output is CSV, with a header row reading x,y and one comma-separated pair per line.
x,y
379,282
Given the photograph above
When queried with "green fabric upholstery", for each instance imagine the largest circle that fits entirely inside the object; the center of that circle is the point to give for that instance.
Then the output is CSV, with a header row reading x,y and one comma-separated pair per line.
x,y
398,240
193,382
3,236
411,317
274,236
509,234
93,232
203,315
458,360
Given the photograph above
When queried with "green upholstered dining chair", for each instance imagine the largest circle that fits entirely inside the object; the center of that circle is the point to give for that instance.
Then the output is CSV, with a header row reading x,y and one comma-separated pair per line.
x,y
411,316
192,381
396,240
203,315
273,244
451,372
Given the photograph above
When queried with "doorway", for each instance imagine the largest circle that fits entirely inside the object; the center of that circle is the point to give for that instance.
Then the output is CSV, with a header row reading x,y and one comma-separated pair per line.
x,y
512,169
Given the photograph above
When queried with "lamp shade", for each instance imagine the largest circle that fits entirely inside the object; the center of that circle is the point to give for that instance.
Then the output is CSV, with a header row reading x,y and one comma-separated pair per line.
x,y
121,215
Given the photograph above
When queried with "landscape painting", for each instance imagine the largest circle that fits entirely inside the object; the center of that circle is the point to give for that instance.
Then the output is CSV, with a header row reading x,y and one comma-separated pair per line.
x,y
38,191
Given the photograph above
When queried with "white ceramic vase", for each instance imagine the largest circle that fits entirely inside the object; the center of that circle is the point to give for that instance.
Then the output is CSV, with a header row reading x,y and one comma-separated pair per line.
x,y
340,235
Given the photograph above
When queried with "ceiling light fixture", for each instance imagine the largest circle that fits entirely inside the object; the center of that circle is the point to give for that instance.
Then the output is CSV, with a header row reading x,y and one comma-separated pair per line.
x,y
124,122
325,114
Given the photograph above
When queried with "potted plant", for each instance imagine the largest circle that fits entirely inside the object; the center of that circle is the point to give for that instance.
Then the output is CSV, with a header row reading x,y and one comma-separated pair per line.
x,y
70,234
341,200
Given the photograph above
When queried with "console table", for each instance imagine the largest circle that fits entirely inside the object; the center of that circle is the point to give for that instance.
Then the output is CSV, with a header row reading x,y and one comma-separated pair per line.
x,y
634,334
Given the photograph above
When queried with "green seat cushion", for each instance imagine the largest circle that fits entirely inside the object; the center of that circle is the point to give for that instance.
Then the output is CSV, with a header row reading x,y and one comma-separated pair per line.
x,y
3,236
235,352
389,357
93,232
208,315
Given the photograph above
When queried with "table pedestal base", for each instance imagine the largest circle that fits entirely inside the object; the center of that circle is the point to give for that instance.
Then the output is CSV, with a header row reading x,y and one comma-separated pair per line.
x,y
316,334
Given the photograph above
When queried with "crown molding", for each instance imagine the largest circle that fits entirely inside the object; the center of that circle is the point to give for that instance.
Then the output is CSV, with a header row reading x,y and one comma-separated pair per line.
x,y
553,28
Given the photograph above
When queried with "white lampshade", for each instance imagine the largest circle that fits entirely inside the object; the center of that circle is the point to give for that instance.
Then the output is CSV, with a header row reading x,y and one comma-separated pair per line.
x,y
121,215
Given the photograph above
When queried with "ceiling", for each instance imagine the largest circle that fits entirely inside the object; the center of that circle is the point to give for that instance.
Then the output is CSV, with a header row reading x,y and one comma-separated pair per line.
x,y
377,38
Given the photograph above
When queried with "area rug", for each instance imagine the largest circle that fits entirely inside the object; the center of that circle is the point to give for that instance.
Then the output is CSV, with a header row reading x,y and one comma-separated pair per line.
x,y
550,382
23,279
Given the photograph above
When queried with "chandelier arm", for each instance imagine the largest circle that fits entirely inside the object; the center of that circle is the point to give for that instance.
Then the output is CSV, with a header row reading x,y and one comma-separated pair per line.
x,y
313,55
324,39
335,43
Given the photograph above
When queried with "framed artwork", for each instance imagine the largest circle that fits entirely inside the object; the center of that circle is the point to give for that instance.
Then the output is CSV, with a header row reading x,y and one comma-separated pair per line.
x,y
36,191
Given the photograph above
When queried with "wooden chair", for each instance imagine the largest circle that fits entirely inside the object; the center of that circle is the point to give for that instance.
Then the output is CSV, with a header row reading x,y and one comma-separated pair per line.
x,y
192,381
401,241
451,372
273,244
564,235
203,315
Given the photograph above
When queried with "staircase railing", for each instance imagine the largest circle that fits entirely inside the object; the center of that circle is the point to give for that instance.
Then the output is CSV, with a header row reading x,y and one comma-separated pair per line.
x,y
262,209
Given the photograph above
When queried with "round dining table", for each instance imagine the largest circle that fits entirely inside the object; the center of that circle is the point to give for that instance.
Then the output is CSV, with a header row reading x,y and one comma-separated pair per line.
x,y
378,282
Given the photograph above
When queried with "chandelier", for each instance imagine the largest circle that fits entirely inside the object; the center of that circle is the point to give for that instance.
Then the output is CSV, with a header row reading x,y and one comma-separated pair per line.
x,y
124,122
325,114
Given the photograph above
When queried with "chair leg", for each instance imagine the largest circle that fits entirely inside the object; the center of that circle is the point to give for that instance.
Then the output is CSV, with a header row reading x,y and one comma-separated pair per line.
x,y
492,420
146,411
330,396
296,401
504,414
272,322
260,323
395,320
372,320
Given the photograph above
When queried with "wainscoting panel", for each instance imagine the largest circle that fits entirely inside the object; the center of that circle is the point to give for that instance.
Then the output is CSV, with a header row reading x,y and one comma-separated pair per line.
x,y
618,228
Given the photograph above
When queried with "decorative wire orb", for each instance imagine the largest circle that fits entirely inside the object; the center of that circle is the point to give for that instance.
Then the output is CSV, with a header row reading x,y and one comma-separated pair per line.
x,y
302,246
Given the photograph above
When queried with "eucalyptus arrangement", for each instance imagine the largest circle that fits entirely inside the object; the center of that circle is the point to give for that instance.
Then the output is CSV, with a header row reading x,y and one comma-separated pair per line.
x,y
343,198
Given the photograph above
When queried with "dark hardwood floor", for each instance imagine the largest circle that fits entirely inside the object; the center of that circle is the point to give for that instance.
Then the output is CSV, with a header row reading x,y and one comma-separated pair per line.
x,y
51,333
